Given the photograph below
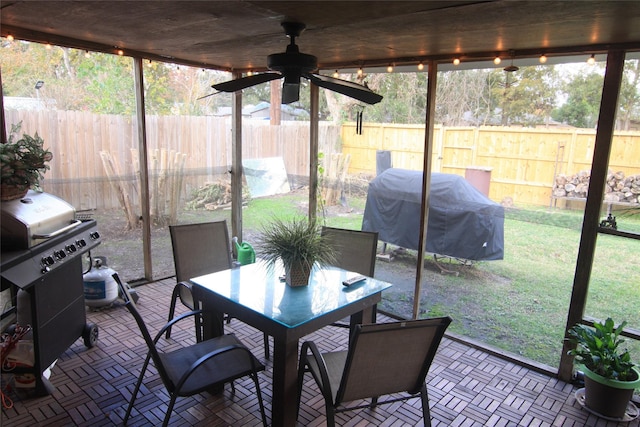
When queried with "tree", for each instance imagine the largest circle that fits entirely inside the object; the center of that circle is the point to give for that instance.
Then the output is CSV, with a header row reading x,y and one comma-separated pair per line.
x,y
629,101
340,107
23,64
102,83
581,109
524,97
405,97
461,98
189,91
108,83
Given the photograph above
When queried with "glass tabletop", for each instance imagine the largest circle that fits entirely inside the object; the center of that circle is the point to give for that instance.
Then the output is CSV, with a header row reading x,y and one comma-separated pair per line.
x,y
258,287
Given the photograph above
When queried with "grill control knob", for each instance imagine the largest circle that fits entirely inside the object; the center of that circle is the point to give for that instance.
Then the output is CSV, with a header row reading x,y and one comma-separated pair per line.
x,y
71,248
81,243
60,254
47,261
94,235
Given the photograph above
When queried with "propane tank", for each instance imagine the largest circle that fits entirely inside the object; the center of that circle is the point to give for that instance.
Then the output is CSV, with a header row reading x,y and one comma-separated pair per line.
x,y
100,288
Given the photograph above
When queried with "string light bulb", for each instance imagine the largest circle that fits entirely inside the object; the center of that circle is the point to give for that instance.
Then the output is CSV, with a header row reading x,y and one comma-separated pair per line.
x,y
456,61
86,54
48,46
497,60
543,58
390,68
592,59
149,64
10,37
120,52
249,73
335,74
360,72
420,66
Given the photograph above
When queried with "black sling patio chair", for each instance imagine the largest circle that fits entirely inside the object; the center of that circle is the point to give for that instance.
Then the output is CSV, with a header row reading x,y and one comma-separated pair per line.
x,y
199,249
190,370
383,359
355,251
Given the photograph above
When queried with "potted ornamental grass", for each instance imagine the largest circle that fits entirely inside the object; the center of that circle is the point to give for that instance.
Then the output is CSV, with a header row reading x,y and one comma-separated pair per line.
x,y
610,375
298,245
23,161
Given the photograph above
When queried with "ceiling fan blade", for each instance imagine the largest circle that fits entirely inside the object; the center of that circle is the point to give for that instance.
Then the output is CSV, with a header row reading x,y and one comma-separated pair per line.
x,y
350,89
245,82
206,96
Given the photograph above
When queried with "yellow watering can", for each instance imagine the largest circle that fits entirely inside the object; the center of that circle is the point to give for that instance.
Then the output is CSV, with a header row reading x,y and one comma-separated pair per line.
x,y
246,253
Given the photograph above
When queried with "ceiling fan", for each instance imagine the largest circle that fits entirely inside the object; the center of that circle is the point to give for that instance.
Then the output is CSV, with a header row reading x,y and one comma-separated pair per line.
x,y
293,65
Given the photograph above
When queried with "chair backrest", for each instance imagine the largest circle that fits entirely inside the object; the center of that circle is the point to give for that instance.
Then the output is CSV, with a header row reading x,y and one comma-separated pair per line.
x,y
386,358
355,250
199,249
153,351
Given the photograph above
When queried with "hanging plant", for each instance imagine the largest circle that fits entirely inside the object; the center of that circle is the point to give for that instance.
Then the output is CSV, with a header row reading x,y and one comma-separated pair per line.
x,y
23,161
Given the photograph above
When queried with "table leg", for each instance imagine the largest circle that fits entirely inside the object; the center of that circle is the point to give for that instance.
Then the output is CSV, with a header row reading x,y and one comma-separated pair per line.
x,y
211,323
285,377
212,326
363,317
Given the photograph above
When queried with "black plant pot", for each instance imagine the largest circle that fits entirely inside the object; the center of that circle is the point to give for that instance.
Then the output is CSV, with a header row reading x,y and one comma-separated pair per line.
x,y
606,397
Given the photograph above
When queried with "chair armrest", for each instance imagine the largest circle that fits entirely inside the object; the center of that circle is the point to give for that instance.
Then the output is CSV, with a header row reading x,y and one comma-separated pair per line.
x,y
186,286
174,321
322,367
195,365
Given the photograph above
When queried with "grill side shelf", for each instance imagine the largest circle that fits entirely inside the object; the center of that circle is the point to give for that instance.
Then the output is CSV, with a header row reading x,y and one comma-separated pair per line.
x,y
25,267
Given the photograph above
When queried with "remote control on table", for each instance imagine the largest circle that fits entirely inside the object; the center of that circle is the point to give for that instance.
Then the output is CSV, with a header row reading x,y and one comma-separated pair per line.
x,y
354,280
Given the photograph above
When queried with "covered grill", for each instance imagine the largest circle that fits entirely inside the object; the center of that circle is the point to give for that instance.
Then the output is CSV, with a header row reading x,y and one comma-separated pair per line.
x,y
463,223
41,275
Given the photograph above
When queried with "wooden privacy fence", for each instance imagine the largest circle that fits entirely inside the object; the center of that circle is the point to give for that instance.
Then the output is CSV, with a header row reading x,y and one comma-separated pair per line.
x,y
77,140
523,163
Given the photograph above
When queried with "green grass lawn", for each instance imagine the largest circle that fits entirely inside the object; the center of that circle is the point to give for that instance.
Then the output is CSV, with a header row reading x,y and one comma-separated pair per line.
x,y
520,304
522,308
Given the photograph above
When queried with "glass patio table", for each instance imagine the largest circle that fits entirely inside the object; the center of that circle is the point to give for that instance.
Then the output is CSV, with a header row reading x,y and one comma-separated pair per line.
x,y
255,295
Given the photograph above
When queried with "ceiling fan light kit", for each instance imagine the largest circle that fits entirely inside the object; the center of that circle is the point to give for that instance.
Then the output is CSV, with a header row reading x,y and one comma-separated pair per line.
x,y
292,65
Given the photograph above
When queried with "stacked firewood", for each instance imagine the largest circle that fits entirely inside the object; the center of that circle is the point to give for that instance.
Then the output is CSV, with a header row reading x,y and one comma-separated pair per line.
x,y
619,188
211,196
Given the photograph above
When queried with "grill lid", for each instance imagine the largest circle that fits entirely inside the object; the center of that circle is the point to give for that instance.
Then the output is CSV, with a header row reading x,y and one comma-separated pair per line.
x,y
33,219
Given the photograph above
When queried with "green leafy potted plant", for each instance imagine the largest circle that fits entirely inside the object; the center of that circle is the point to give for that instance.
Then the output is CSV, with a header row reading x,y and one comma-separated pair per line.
x,y
610,376
298,245
23,162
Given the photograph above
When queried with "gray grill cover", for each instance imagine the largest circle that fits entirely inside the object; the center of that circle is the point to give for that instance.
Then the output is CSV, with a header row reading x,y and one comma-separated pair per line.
x,y
463,223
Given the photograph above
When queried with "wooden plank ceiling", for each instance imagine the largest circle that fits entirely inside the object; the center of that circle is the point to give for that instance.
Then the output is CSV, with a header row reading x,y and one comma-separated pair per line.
x,y
238,35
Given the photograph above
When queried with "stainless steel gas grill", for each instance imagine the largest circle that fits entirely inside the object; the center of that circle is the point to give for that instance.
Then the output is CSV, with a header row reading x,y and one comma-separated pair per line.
x,y
41,276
